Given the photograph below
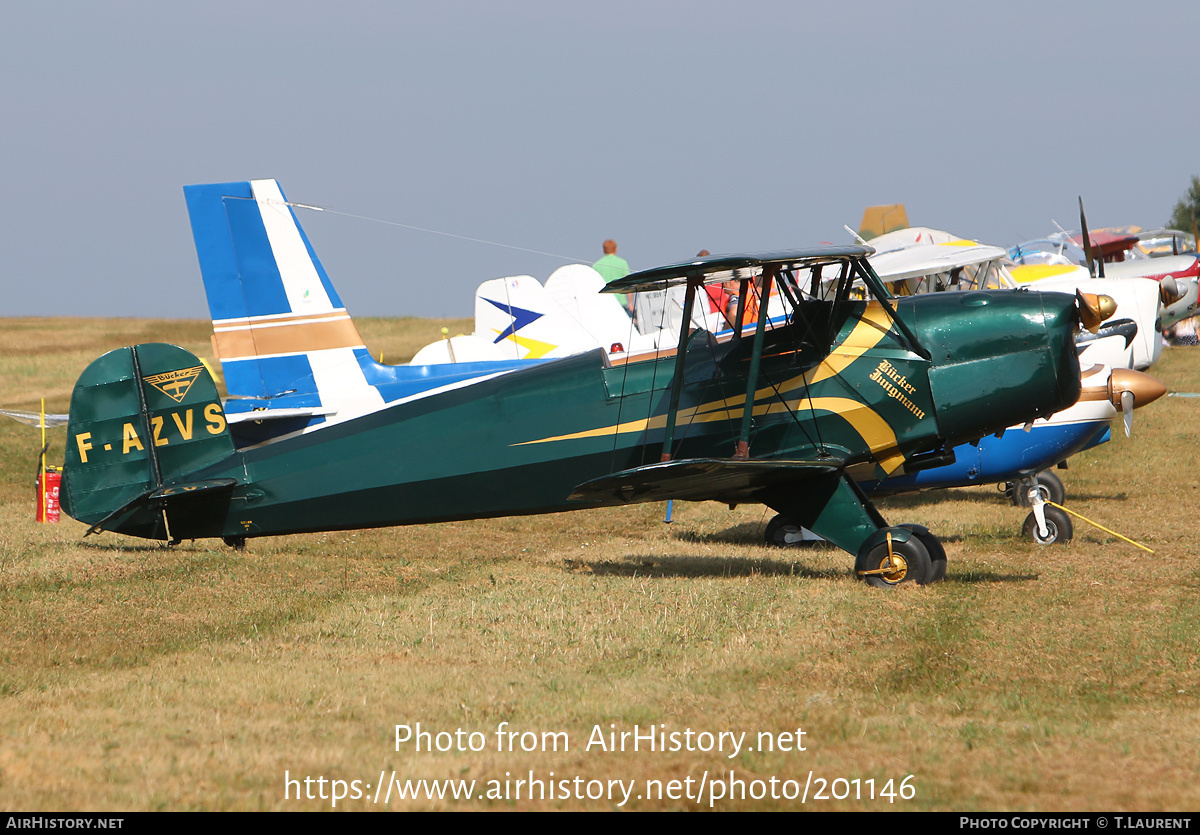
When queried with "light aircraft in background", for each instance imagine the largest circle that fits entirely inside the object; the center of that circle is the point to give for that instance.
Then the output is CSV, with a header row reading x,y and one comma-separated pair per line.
x,y
1159,243
879,220
788,416
924,260
1117,253
940,262
518,318
1063,259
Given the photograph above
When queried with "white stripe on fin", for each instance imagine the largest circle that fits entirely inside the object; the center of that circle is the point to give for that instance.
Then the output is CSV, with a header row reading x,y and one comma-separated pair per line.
x,y
301,283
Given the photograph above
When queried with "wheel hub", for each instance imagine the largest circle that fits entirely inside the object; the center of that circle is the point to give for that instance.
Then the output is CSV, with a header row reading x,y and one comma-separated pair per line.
x,y
893,568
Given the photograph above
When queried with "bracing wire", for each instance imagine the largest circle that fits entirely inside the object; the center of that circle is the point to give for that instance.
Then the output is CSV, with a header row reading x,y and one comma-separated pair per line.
x,y
768,377
568,312
311,207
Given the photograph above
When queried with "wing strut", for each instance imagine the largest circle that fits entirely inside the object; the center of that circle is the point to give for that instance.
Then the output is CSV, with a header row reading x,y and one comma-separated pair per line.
x,y
743,445
869,278
689,301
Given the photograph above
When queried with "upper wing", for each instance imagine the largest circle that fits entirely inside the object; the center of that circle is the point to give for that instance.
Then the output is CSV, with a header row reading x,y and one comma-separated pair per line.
x,y
714,269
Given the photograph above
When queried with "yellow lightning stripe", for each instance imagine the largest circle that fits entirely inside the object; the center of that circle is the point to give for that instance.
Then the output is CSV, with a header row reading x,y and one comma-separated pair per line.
x,y
871,328
536,349
874,430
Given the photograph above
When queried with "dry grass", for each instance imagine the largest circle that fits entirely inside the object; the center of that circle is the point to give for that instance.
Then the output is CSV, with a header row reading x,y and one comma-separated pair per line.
x,y
140,677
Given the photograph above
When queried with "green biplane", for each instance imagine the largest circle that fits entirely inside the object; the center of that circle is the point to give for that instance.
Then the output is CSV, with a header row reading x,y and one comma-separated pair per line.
x,y
788,416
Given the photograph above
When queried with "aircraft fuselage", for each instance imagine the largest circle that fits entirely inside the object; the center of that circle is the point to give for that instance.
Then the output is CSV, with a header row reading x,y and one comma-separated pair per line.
x,y
519,442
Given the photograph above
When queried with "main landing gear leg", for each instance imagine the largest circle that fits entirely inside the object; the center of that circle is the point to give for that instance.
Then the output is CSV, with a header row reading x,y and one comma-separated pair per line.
x,y
836,509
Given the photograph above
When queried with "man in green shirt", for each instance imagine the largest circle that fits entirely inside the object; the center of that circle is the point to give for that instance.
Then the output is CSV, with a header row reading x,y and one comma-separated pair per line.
x,y
611,267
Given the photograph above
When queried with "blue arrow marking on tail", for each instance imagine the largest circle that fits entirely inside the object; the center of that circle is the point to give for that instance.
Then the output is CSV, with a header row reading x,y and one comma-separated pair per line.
x,y
521,318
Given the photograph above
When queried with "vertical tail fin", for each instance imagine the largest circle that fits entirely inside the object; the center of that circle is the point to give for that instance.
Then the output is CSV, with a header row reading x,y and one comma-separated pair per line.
x,y
526,322
143,421
280,330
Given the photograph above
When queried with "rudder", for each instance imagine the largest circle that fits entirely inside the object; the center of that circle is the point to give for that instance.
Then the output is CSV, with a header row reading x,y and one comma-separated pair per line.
x,y
143,421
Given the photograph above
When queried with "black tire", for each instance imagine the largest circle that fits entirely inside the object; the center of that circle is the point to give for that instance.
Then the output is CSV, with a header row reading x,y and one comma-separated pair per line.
x,y
1058,527
933,545
911,564
1049,484
237,543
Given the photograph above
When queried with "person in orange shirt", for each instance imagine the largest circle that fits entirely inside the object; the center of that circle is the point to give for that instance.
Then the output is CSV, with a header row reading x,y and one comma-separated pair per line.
x,y
750,313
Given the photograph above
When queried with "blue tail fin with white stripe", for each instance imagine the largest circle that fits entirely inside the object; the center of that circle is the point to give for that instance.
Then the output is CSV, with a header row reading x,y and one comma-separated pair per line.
x,y
284,339
292,357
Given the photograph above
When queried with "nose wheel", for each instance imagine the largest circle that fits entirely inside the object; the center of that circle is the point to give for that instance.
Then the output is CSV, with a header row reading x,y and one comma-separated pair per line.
x,y
1058,527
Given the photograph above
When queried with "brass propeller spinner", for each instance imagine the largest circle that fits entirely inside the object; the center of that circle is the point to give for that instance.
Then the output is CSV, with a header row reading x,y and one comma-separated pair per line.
x,y
1144,388
1129,390
1094,309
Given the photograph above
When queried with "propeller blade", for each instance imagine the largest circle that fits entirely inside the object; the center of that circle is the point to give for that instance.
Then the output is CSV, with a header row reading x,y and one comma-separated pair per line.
x,y
1087,240
1169,291
1127,411
1097,269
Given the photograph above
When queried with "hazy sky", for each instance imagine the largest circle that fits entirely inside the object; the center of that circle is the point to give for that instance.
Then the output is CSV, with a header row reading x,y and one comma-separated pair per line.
x,y
552,125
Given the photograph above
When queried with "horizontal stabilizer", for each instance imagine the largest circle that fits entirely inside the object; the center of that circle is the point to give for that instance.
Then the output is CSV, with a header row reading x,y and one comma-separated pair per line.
x,y
193,488
154,501
702,479
277,414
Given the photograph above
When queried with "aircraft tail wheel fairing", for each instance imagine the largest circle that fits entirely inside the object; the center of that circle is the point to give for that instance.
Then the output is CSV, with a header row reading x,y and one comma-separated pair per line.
x,y
893,562
1058,526
1048,483
937,553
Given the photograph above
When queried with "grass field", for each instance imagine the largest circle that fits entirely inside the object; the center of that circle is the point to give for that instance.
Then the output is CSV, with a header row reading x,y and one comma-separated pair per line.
x,y
134,676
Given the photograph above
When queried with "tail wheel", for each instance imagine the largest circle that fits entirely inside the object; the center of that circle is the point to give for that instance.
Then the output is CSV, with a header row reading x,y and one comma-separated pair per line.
x,y
784,534
937,554
1049,485
1059,529
237,543
781,532
892,563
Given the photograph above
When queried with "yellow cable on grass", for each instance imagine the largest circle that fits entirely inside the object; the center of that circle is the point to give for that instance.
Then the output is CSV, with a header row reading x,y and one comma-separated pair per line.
x,y
1101,527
